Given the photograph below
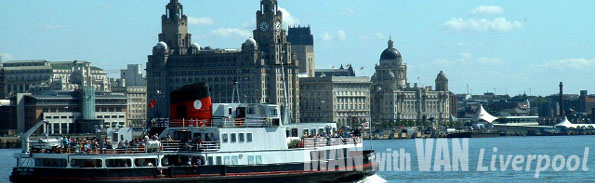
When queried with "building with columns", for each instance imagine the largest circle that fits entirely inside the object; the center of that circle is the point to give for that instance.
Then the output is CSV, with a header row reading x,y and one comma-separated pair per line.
x,y
344,100
258,69
394,99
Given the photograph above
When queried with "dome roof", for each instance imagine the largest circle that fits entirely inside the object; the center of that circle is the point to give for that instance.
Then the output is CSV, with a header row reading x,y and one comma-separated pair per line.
x,y
389,75
195,45
441,76
161,45
390,53
250,42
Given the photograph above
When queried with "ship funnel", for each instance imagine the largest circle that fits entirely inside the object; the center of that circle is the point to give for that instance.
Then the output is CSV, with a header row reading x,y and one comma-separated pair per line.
x,y
191,102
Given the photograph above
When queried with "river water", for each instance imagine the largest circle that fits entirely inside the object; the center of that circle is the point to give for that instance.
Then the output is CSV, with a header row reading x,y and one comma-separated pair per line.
x,y
525,146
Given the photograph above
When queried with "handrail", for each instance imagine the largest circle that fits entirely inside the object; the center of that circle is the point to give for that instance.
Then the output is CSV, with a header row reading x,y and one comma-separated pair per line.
x,y
141,148
322,141
214,122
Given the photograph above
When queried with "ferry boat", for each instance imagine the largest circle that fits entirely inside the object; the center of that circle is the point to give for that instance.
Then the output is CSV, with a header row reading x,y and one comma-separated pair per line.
x,y
205,142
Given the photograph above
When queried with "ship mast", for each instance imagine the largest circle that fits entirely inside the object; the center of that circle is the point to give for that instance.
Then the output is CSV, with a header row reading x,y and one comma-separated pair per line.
x,y
285,107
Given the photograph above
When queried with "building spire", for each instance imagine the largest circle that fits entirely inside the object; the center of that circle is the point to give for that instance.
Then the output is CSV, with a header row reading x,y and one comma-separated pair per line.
x,y
390,42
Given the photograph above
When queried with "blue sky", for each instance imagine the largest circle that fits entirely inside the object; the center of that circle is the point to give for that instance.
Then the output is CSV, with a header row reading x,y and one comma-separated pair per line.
x,y
503,46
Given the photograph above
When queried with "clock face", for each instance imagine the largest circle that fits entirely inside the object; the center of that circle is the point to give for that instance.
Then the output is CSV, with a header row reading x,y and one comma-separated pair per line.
x,y
263,26
278,25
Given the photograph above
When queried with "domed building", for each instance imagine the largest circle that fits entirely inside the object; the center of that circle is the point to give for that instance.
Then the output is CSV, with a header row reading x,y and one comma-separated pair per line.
x,y
256,66
393,99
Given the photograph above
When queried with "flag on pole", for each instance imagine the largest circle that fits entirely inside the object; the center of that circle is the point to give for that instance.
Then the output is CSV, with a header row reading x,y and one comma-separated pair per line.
x,y
153,103
366,125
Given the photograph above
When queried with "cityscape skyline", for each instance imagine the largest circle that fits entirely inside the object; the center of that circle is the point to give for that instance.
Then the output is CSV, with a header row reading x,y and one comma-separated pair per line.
x,y
466,41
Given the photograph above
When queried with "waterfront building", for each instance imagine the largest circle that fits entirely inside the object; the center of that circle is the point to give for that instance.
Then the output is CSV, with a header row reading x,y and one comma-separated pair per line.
x,y
258,70
137,103
25,76
341,71
393,98
339,99
517,120
68,110
133,75
586,102
302,45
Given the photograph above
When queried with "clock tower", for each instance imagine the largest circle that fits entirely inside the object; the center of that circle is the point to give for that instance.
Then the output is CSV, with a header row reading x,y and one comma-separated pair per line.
x,y
270,35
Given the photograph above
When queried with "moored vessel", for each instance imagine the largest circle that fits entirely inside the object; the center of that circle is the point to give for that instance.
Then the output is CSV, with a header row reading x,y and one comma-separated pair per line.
x,y
204,142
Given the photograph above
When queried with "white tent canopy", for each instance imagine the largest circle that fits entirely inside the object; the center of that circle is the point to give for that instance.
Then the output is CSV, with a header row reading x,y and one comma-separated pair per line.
x,y
568,124
482,114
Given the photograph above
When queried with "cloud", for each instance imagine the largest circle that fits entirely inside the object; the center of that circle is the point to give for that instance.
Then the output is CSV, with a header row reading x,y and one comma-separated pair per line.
x,y
378,35
483,25
487,10
572,63
341,35
466,58
347,11
288,19
486,60
226,32
326,36
6,56
54,26
200,21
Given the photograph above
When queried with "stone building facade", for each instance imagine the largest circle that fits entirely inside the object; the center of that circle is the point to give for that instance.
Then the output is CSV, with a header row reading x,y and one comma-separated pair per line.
x,y
133,75
137,104
302,44
340,99
64,109
258,69
26,76
394,99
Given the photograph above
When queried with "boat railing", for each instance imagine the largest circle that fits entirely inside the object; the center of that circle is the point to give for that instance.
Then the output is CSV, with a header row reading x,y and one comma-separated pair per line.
x,y
322,142
146,147
214,122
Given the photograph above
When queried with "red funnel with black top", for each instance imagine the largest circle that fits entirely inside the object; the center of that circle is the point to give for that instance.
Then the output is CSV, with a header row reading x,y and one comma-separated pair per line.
x,y
191,105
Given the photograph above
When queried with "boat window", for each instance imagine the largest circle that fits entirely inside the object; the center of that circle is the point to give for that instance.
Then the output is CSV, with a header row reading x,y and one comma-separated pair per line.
x,y
273,112
145,162
233,137
241,136
165,161
250,110
224,137
118,162
250,159
249,137
50,162
305,131
210,160
259,159
227,160
218,160
312,131
86,163
234,160
287,132
197,136
294,132
240,112
320,131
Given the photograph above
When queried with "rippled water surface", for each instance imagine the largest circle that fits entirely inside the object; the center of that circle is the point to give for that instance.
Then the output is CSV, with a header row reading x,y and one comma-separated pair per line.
x,y
560,145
